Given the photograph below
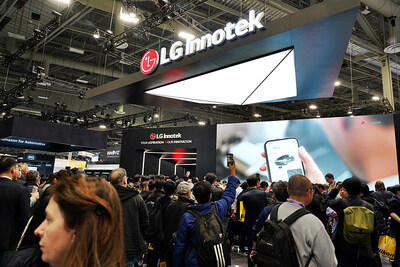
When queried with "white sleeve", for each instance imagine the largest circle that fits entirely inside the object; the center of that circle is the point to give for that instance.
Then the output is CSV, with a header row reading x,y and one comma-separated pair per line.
x,y
323,250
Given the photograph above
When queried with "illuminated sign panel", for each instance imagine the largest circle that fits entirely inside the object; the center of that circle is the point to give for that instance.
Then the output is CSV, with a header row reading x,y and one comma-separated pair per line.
x,y
263,79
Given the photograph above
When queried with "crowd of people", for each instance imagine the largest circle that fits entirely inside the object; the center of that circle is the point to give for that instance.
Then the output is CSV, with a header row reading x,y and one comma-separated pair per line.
x,y
70,219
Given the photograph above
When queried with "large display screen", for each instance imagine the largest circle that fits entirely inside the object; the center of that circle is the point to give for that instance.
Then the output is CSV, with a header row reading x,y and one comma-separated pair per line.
x,y
361,146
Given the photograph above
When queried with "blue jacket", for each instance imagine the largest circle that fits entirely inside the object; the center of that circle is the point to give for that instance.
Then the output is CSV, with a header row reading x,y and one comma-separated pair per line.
x,y
186,237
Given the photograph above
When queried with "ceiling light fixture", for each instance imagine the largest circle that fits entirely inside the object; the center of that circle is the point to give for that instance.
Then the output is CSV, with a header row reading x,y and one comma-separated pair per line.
x,y
156,115
186,35
96,34
81,81
131,17
376,98
76,50
350,111
64,1
337,83
256,115
202,123
313,106
318,115
102,126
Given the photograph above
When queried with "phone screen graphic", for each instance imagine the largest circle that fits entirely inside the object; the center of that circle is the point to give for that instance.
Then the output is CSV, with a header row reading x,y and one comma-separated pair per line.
x,y
283,160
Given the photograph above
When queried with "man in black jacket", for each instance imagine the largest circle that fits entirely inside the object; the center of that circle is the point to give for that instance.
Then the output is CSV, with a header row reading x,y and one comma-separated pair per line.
x,y
156,251
14,208
175,211
349,254
254,200
135,218
159,192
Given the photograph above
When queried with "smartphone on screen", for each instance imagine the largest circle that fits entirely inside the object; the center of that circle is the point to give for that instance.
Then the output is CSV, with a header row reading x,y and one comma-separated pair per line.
x,y
283,160
229,159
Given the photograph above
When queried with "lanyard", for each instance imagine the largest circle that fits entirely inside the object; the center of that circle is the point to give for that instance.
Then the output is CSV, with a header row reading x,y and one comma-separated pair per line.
x,y
295,202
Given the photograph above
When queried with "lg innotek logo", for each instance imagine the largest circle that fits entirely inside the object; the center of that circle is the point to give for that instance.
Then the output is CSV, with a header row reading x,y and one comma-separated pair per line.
x,y
178,50
149,62
152,136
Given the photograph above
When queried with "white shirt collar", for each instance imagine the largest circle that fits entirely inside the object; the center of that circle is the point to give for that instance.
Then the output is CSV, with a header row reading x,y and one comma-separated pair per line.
x,y
5,177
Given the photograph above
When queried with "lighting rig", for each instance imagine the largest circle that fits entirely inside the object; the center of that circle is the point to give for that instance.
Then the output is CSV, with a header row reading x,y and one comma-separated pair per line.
x,y
166,12
38,35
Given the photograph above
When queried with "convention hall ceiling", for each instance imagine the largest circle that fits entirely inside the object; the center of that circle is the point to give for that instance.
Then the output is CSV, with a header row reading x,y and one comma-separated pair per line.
x,y
49,58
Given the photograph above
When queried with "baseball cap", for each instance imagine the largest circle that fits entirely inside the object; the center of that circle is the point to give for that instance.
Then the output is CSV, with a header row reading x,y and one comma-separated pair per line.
x,y
184,188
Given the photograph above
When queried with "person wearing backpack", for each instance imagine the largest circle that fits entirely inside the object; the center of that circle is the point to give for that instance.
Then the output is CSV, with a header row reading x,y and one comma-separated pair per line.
x,y
201,239
296,236
356,236
175,211
155,234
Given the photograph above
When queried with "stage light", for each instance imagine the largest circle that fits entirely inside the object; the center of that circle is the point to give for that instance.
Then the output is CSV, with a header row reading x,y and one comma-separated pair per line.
x,y
96,34
350,111
313,106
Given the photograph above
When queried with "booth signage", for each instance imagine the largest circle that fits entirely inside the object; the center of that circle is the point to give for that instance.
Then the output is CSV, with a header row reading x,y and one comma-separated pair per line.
x,y
230,32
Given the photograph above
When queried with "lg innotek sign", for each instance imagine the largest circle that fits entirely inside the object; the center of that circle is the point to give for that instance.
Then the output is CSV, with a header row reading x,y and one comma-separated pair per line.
x,y
230,32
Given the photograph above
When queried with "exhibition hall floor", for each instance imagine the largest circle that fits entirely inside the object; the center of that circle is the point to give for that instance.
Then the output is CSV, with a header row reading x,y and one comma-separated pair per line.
x,y
241,261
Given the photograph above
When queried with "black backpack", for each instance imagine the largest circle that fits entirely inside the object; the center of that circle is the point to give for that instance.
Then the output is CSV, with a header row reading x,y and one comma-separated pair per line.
x,y
275,243
155,232
212,247
382,214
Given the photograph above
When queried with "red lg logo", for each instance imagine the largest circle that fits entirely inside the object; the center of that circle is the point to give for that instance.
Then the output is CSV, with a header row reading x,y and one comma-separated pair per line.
x,y
149,61
152,136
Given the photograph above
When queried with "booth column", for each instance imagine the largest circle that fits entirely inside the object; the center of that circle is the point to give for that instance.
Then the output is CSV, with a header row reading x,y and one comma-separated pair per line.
x,y
387,80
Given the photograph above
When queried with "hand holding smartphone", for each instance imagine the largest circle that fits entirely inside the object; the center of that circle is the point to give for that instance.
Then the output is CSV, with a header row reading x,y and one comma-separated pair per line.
x,y
283,159
229,159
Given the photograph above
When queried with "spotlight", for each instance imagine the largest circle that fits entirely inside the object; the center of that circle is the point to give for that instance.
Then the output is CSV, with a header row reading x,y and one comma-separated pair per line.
x,y
313,106
350,111
96,34
81,95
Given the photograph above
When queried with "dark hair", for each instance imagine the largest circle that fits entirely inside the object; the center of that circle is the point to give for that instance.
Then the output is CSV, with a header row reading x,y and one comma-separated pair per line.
x,y
252,180
6,163
365,189
31,177
210,177
352,186
394,189
379,185
169,188
202,191
329,176
152,185
159,184
264,184
280,191
244,186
